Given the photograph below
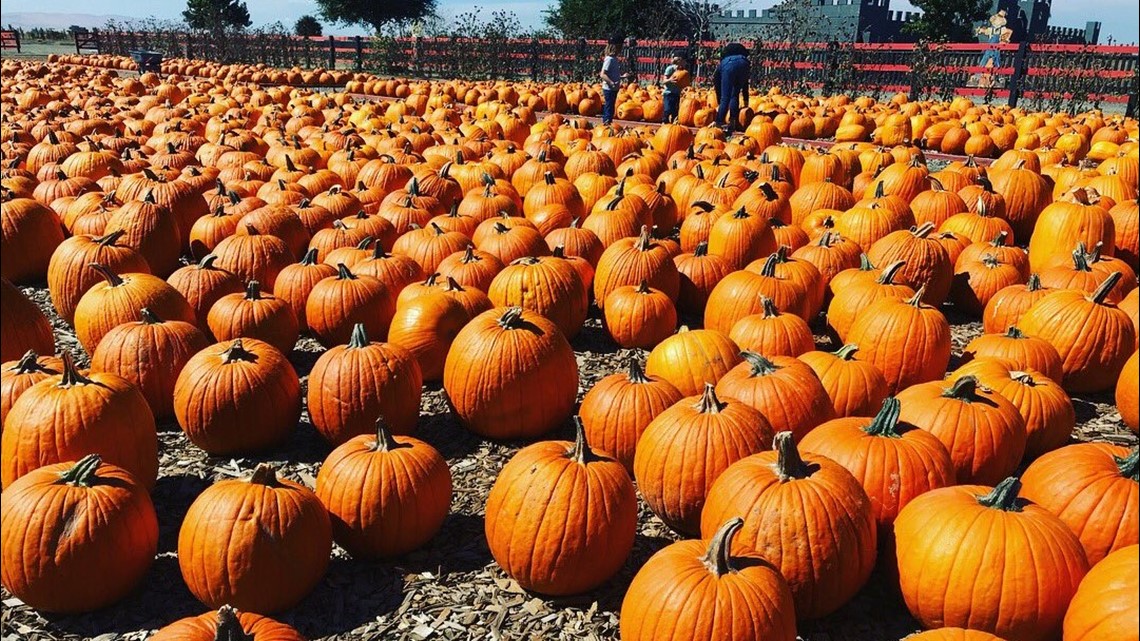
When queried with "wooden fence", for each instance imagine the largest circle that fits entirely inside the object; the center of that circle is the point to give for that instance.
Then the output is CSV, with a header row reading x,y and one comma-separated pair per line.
x,y
10,40
1041,72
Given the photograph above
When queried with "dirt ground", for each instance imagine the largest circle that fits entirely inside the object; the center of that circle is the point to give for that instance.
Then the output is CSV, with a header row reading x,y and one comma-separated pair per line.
x,y
451,589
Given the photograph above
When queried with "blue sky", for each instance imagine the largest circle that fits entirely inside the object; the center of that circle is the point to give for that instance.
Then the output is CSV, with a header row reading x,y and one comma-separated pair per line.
x,y
1121,18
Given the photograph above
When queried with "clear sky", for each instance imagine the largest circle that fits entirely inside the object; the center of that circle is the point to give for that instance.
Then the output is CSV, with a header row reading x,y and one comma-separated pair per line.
x,y
1120,18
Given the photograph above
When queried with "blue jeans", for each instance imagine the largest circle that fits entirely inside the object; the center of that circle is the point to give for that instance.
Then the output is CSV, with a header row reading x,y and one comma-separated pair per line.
x,y
733,80
991,54
608,105
671,106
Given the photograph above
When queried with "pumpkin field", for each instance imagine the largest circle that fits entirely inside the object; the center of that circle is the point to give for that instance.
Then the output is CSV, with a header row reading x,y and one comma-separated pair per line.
x,y
323,355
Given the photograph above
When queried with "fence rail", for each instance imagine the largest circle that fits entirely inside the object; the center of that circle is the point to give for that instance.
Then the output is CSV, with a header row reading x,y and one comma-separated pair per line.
x,y
1043,72
10,40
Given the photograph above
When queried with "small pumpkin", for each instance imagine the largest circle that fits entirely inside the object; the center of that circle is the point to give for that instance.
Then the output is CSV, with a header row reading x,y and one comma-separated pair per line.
x,y
691,358
254,314
639,316
784,389
337,303
118,298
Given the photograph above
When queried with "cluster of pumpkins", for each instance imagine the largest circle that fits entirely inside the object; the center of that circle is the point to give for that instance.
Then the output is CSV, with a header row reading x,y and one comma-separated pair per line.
x,y
956,127
190,232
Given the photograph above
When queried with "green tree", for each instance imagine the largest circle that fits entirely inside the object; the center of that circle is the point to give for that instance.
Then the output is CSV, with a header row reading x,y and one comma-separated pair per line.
x,y
948,20
608,19
374,13
216,15
308,26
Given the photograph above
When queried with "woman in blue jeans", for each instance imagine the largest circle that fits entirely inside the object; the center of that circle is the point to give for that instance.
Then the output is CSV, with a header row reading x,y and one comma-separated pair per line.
x,y
730,80
612,77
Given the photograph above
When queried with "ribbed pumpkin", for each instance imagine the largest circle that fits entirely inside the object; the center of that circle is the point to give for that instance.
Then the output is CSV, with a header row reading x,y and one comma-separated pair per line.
x,y
580,532
1126,220
1093,488
202,284
1128,393
509,239
427,324
68,274
952,634
772,332
806,515
222,386
893,461
784,389
31,233
979,224
254,314
18,375
548,286
861,290
42,429
118,298
639,316
799,275
1076,272
925,261
351,383
227,623
1026,194
273,551
471,268
830,253
337,303
984,433
680,585
687,447
150,229
976,281
856,388
950,540
150,353
628,261
1105,605
1018,349
691,358
699,273
1092,335
295,282
576,241
499,363
740,238
102,529
1009,304
907,340
22,325
618,408
429,245
1069,220
936,204
386,495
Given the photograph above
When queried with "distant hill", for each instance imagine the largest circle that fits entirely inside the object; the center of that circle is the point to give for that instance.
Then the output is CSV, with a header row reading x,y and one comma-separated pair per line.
x,y
60,21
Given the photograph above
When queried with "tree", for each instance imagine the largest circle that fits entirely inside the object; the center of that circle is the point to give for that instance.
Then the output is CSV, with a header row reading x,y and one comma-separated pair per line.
x,y
608,19
948,20
216,15
308,26
374,13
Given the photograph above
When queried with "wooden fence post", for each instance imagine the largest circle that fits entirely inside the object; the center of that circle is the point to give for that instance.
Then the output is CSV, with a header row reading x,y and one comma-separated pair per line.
x,y
359,53
332,53
74,35
581,59
1130,110
1020,70
308,58
534,59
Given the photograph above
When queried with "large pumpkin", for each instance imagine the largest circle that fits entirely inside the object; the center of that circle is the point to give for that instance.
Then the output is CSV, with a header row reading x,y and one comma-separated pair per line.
x,y
690,359
546,285
386,495
102,529
118,298
673,593
22,325
1105,605
273,551
950,540
907,339
856,388
502,361
806,515
578,534
782,388
227,624
628,261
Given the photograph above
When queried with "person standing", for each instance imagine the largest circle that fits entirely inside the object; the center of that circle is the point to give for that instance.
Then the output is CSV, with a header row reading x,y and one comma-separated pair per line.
x,y
611,76
730,80
675,78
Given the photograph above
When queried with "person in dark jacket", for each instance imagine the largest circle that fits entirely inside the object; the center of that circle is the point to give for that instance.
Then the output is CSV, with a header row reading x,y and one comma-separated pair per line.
x,y
730,80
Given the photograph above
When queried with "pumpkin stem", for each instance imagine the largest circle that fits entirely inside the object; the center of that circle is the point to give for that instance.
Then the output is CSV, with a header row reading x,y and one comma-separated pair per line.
x,y
634,371
1003,496
1013,331
1129,465
343,273
999,240
264,474
149,317
865,264
923,230
963,389
643,240
229,627
718,559
581,453
1034,283
82,474
111,238
789,464
709,403
237,352
512,318
1101,292
888,275
250,230
886,422
253,290
847,352
761,366
111,277
916,300
29,363
769,305
765,188
702,249
385,442
769,268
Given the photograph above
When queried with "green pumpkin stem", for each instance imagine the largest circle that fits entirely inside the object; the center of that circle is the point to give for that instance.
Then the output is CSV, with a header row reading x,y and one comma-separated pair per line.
x,y
82,474
253,290
359,337
1003,496
1103,290
1129,465
865,264
916,300
385,442
71,375
264,474
512,318
769,268
111,238
847,352
892,270
923,230
237,352
718,558
886,422
343,273
111,277
769,307
635,372
1013,331
709,403
581,452
1034,283
789,464
761,365
963,389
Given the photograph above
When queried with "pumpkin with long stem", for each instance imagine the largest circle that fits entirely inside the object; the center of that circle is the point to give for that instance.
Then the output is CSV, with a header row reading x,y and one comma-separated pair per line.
x,y
118,298
69,277
908,340
782,388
